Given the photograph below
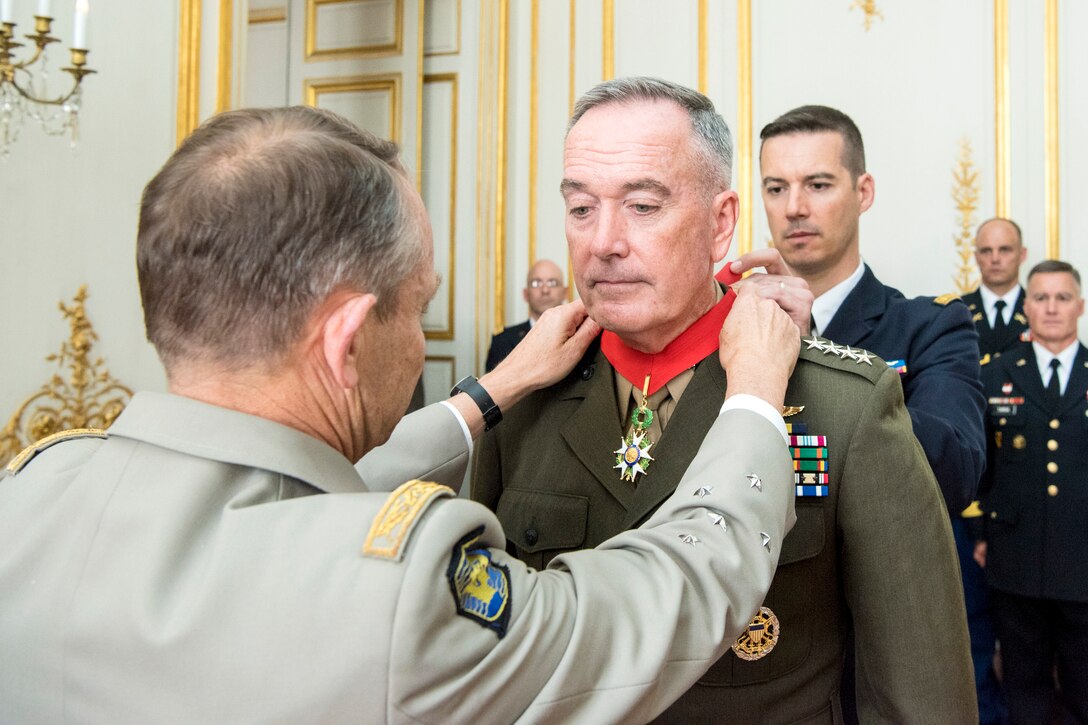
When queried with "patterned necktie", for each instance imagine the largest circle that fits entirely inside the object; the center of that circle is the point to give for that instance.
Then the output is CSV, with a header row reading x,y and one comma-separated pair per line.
x,y
999,318
1054,387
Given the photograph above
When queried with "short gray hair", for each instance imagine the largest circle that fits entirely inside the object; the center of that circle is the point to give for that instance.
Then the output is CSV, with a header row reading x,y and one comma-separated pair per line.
x,y
256,219
711,134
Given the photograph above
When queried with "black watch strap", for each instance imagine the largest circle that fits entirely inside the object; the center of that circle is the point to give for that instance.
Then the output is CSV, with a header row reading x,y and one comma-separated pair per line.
x,y
471,387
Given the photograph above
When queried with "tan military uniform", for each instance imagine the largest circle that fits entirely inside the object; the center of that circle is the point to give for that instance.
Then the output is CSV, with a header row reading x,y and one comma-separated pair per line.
x,y
183,570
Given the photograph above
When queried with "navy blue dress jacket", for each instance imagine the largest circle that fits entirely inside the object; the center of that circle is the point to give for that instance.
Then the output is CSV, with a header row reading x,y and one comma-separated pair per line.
x,y
938,345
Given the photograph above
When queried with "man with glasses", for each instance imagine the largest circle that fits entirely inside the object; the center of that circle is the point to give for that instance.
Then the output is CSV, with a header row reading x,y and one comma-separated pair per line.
x,y
544,289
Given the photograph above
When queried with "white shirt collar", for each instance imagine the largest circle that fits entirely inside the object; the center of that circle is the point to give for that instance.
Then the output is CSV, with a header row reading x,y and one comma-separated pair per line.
x,y
1065,358
990,298
826,305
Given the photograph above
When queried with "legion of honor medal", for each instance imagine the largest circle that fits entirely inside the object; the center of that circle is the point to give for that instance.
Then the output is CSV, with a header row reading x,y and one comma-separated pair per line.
x,y
633,456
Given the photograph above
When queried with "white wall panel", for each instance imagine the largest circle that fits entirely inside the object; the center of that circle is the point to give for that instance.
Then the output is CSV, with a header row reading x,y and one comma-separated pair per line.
x,y
915,84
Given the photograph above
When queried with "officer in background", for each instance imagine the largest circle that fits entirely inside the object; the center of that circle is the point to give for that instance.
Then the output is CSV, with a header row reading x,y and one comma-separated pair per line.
x,y
544,289
1035,502
216,558
997,306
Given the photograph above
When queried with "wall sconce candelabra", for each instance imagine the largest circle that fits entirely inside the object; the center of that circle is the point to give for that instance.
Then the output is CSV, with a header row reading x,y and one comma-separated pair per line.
x,y
24,85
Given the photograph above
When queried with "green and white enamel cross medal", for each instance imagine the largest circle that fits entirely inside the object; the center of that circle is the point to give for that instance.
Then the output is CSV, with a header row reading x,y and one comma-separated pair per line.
x,y
633,456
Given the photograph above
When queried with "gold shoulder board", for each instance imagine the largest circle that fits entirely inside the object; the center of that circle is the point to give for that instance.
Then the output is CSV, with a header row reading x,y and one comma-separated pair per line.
x,y
34,449
394,523
945,299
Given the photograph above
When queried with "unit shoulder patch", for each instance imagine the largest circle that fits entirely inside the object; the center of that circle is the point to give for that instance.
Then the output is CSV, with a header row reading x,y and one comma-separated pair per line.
x,y
830,354
480,587
27,454
944,299
398,516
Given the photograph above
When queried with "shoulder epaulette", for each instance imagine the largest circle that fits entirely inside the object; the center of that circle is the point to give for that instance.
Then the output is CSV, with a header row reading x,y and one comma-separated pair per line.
x,y
945,299
825,352
27,454
972,512
402,510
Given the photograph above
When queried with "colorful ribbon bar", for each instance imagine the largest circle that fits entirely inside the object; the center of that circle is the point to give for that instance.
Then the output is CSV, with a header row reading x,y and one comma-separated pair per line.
x,y
810,478
812,490
810,465
809,452
804,440
798,428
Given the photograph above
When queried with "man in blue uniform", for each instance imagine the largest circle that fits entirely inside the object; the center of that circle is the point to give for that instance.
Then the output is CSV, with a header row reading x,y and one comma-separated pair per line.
x,y
1035,499
815,189
997,306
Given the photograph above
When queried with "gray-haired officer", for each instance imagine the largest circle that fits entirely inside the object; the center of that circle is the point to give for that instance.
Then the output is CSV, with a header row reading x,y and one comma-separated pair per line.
x,y
1035,502
215,557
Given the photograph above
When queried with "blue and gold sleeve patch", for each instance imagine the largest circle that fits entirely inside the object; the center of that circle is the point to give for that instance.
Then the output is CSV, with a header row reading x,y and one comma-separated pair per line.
x,y
480,587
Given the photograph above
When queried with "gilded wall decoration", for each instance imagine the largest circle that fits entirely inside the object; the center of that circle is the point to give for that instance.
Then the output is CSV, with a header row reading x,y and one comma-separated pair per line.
x,y
868,7
81,394
965,193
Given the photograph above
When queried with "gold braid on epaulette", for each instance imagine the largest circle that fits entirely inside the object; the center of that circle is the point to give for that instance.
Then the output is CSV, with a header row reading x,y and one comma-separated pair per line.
x,y
24,457
398,516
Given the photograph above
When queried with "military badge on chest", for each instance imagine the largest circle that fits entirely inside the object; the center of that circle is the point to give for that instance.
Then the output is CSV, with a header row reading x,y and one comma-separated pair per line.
x,y
633,456
759,638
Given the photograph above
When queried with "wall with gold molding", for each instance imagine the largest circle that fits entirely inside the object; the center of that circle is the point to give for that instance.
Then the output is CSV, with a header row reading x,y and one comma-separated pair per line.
x,y
1000,74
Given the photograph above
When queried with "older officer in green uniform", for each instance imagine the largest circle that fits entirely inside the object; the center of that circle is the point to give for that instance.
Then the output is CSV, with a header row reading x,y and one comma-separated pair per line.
x,y
215,557
650,212
1035,503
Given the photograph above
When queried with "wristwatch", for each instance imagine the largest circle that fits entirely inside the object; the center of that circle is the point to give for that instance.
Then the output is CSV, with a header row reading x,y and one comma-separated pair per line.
x,y
471,387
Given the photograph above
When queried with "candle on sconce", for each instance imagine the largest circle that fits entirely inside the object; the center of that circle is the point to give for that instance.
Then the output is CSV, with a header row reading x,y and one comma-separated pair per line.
x,y
7,15
79,36
43,9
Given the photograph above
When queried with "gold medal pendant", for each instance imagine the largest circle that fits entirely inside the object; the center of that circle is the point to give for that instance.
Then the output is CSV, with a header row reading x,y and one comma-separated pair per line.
x,y
633,456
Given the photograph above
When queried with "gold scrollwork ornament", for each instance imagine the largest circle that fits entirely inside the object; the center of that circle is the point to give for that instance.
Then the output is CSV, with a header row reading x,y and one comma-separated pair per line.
x,y
86,397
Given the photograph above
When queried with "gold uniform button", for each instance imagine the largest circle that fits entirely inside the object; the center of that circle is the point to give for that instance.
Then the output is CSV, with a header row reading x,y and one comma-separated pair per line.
x,y
1052,490
1003,421
1052,467
1052,445
1055,423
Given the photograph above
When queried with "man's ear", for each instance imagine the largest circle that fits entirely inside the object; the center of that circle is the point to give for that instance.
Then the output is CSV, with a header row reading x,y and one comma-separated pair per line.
x,y
866,187
725,208
338,335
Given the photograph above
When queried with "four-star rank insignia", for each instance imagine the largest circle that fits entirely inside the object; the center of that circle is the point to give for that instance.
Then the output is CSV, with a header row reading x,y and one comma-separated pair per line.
x,y
759,637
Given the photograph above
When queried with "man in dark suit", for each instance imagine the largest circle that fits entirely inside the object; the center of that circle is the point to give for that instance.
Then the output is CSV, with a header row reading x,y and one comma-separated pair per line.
x,y
544,289
997,306
815,188
1035,502
649,214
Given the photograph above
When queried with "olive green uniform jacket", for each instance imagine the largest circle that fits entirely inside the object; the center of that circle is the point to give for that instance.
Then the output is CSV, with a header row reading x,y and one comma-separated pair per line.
x,y
205,566
877,550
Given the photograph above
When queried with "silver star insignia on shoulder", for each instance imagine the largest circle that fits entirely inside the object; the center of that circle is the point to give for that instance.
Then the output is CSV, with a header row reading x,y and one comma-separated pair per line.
x,y
813,342
864,356
704,491
718,520
754,481
849,352
689,539
766,540
830,347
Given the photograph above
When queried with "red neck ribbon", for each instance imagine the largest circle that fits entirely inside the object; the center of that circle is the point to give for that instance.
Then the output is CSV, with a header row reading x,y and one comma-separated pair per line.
x,y
691,346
